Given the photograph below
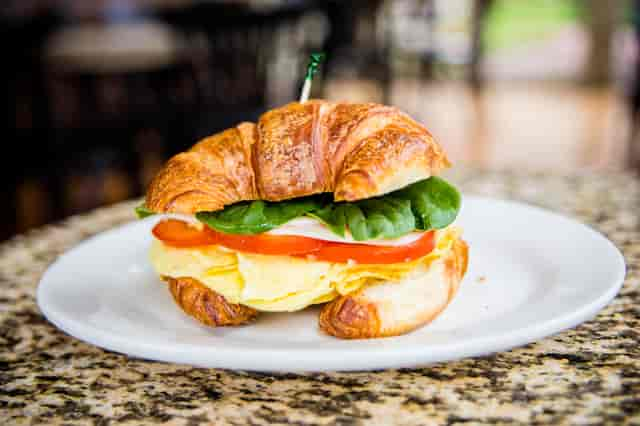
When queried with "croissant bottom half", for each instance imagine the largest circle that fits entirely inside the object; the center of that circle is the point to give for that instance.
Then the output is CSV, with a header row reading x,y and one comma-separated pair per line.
x,y
383,308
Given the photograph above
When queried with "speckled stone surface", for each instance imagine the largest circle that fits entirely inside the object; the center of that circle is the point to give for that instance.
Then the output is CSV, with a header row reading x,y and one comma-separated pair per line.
x,y
588,375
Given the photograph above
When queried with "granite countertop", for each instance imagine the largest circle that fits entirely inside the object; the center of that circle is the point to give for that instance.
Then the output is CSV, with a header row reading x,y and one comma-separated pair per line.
x,y
590,374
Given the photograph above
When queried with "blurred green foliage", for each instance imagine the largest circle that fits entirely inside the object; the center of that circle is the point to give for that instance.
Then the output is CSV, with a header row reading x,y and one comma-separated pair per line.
x,y
514,22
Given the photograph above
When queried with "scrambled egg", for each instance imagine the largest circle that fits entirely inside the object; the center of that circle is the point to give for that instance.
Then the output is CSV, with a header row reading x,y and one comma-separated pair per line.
x,y
281,283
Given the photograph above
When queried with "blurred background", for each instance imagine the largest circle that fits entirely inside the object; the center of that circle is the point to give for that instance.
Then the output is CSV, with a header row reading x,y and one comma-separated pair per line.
x,y
100,93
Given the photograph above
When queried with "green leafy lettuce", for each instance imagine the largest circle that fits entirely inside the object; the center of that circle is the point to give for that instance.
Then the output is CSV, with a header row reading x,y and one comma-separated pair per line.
x,y
428,204
143,212
254,217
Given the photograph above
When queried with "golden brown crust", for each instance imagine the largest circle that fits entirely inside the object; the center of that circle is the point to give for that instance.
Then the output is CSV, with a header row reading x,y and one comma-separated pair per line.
x,y
285,153
361,315
354,150
456,266
349,318
207,306
396,155
215,172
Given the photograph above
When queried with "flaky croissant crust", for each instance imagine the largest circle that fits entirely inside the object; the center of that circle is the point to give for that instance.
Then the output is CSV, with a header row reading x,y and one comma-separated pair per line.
x,y
207,306
356,151
356,316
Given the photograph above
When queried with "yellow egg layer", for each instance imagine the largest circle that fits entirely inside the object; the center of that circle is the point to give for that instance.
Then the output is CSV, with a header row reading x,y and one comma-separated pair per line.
x,y
281,283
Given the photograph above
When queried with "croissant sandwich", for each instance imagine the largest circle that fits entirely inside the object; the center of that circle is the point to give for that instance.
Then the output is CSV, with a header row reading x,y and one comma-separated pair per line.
x,y
316,203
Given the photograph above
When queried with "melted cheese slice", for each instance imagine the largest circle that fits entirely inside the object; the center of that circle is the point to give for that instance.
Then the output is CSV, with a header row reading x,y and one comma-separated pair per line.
x,y
282,283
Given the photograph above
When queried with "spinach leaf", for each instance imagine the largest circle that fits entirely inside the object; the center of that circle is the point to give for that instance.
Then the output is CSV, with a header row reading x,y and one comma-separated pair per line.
x,y
254,217
434,202
382,217
142,212
428,204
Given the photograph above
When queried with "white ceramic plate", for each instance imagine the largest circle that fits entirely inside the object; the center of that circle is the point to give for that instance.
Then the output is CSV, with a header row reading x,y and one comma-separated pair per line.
x,y
532,273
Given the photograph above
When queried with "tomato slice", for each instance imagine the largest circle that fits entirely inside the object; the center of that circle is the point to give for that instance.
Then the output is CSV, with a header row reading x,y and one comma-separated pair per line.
x,y
368,254
177,233
270,244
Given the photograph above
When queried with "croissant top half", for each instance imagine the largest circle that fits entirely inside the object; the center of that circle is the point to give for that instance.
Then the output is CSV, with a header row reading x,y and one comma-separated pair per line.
x,y
356,151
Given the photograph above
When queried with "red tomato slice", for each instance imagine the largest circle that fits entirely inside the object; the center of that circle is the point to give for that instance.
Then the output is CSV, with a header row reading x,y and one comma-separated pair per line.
x,y
368,254
270,244
177,233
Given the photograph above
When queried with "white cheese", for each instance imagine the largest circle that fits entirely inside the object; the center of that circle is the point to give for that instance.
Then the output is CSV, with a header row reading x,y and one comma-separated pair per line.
x,y
308,227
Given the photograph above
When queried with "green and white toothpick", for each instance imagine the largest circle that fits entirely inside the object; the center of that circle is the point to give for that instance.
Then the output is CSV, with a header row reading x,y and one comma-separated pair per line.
x,y
312,69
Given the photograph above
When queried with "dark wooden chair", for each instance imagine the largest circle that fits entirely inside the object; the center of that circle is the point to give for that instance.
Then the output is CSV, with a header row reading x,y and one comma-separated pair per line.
x,y
88,136
239,47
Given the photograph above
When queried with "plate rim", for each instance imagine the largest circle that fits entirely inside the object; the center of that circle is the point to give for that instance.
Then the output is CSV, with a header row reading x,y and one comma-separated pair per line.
x,y
306,359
